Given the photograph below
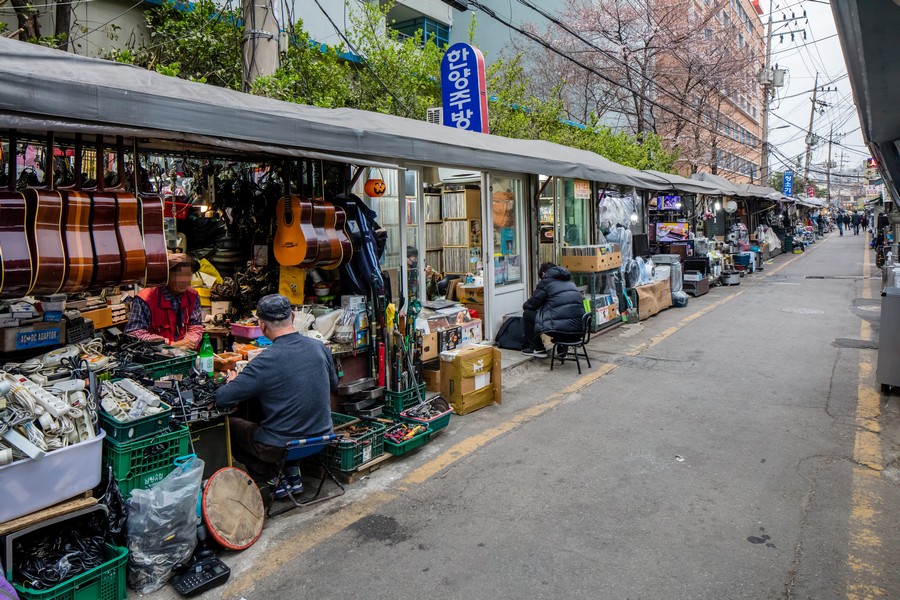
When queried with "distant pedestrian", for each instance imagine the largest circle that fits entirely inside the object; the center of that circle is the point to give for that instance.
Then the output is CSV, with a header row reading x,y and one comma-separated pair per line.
x,y
854,220
864,221
839,219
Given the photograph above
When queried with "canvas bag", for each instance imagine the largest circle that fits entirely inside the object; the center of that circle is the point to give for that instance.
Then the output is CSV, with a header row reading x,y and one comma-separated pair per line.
x,y
512,334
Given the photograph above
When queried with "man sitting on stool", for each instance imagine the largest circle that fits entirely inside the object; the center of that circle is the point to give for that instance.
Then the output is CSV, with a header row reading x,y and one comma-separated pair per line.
x,y
292,379
556,307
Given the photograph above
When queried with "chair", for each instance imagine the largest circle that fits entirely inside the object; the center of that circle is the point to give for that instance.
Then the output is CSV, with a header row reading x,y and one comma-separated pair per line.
x,y
297,450
574,343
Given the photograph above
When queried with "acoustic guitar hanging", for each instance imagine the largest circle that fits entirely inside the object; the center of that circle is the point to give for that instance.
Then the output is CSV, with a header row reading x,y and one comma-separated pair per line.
x,y
44,210
295,239
15,254
108,264
131,243
152,232
76,229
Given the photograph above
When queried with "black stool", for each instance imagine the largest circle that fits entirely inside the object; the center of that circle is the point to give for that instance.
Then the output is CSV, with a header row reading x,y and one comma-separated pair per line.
x,y
574,343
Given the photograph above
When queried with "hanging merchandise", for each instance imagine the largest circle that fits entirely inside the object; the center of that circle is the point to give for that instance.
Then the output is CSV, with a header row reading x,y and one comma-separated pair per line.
x,y
620,234
375,188
363,270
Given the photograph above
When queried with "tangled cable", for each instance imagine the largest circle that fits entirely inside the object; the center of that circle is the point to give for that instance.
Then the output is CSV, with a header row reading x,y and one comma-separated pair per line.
x,y
58,555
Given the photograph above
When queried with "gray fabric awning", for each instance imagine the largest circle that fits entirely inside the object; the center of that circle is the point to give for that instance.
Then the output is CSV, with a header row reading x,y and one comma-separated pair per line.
x,y
728,188
683,184
766,193
43,87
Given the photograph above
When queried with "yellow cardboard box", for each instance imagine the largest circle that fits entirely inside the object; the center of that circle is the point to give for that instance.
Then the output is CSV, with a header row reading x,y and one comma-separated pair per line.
x,y
471,377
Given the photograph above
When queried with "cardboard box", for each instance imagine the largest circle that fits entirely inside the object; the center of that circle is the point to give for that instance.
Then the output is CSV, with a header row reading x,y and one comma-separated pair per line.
x,y
470,293
432,379
37,335
592,264
471,377
476,306
102,317
430,346
472,332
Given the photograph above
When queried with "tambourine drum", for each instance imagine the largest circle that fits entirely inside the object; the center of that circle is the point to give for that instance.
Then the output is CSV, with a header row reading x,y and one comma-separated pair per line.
x,y
233,508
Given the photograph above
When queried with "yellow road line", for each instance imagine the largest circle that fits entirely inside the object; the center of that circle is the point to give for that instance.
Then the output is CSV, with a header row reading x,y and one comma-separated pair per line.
x,y
864,541
330,525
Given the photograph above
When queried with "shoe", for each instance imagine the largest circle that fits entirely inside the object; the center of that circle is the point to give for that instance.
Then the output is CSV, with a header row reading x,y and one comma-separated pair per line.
x,y
528,351
280,487
295,482
539,354
561,351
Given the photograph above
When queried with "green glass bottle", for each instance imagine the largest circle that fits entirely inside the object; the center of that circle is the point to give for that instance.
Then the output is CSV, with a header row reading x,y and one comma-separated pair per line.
x,y
205,356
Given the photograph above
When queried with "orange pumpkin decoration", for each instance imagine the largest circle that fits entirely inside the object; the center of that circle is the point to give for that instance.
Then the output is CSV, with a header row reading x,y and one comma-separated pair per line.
x,y
375,188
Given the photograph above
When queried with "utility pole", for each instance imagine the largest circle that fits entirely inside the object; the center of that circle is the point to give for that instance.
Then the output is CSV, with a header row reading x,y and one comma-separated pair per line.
x,y
828,165
809,133
260,44
764,163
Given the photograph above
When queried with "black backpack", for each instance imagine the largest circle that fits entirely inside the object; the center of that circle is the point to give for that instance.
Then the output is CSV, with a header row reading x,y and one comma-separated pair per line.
x,y
512,334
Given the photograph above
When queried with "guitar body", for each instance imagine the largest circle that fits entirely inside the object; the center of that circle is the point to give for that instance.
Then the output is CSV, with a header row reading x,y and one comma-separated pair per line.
x,y
108,267
48,253
154,241
15,254
295,239
334,241
77,237
319,223
131,243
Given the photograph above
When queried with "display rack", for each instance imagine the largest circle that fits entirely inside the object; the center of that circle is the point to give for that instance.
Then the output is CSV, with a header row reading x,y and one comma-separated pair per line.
x,y
434,238
604,306
461,229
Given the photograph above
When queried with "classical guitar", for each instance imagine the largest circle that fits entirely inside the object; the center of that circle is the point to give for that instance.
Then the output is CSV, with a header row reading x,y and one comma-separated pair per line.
x,y
335,249
295,239
131,243
154,241
44,210
15,255
76,230
108,264
340,226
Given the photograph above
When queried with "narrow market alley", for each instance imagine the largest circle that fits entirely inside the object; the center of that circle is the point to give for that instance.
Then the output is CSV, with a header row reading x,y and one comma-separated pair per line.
x,y
733,449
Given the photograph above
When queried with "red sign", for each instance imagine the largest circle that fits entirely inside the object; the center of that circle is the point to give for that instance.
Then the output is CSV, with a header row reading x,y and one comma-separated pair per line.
x,y
756,6
810,192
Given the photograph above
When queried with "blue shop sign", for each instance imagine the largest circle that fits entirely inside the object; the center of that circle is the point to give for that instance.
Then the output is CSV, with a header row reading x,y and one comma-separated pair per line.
x,y
787,186
463,88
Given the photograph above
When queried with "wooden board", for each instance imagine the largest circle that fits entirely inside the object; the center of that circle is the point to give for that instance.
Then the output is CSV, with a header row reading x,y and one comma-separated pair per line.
x,y
364,470
63,508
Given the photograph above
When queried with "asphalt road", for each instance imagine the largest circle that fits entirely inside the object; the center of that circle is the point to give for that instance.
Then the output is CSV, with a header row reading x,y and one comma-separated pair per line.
x,y
737,448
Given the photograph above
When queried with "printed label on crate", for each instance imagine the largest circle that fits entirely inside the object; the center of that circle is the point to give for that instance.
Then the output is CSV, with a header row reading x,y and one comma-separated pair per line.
x,y
34,339
153,478
367,454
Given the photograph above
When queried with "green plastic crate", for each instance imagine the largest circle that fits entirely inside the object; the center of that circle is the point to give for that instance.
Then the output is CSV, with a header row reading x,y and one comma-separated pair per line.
x,y
396,402
141,463
179,365
348,455
130,431
435,424
409,445
104,582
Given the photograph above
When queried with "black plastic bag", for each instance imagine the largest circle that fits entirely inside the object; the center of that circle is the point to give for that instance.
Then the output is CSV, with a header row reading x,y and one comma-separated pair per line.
x,y
117,515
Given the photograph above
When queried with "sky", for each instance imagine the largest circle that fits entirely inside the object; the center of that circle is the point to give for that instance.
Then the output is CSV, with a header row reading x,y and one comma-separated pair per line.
x,y
792,104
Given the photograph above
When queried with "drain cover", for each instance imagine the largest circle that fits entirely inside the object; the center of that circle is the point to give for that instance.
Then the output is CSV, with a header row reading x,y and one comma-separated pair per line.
x,y
803,311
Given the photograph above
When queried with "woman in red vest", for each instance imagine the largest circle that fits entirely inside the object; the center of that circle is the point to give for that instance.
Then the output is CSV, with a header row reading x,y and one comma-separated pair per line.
x,y
169,314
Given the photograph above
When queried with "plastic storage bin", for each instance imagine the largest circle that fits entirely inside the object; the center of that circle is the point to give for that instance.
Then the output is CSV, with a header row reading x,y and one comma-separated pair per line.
x,y
435,424
104,582
129,431
347,455
141,463
418,440
30,485
179,365
396,402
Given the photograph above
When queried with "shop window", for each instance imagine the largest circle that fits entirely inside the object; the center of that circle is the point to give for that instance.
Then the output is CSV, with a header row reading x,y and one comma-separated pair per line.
x,y
506,197
576,214
431,30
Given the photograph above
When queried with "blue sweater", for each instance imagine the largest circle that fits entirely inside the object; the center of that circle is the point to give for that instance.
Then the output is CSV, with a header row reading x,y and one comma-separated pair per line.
x,y
292,379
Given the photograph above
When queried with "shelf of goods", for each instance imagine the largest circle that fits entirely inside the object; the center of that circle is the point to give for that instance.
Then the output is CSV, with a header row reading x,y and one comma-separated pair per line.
x,y
597,268
461,229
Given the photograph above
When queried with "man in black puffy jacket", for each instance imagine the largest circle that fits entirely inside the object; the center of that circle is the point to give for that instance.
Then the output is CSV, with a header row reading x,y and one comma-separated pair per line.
x,y
555,308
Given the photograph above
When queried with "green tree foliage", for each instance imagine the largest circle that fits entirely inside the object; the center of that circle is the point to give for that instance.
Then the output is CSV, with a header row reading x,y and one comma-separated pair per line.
x,y
201,42
375,68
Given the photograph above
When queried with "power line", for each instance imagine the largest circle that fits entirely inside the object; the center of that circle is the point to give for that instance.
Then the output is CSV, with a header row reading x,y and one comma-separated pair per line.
x,y
102,25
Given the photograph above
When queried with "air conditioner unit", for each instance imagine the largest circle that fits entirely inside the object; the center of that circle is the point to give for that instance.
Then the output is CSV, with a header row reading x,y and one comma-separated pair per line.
x,y
434,115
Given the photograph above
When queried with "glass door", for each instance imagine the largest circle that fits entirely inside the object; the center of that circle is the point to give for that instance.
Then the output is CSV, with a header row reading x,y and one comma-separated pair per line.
x,y
505,242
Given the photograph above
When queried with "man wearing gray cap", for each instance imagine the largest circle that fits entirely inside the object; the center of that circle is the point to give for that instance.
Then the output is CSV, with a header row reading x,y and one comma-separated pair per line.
x,y
292,379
